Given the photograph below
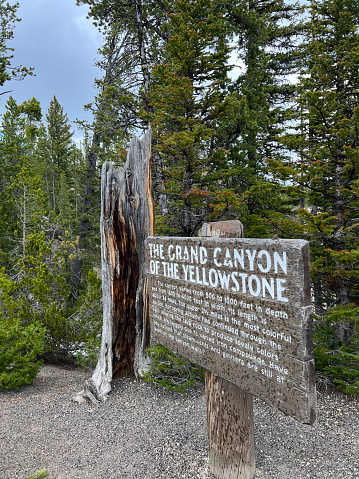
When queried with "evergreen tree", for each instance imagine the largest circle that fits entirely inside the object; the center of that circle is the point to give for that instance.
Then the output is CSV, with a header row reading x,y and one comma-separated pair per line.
x,y
17,145
28,202
138,28
190,103
324,171
126,56
322,178
33,113
266,35
59,149
8,20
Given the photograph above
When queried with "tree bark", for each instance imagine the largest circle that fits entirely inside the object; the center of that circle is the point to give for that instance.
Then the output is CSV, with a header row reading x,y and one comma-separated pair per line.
x,y
53,182
87,204
127,218
318,297
140,28
230,420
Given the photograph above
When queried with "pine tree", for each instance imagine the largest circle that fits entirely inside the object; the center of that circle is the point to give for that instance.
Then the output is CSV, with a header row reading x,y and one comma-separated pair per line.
x,y
266,35
126,56
28,202
190,103
15,146
17,143
59,149
134,33
321,181
324,171
8,20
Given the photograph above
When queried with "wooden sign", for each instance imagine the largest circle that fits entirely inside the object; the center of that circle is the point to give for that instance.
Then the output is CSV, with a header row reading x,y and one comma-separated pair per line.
x,y
240,308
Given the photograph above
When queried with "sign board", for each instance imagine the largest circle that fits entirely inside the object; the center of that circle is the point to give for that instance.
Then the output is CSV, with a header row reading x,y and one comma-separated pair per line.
x,y
240,308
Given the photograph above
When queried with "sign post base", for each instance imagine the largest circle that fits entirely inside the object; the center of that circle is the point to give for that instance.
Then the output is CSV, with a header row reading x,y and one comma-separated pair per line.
x,y
230,421
230,429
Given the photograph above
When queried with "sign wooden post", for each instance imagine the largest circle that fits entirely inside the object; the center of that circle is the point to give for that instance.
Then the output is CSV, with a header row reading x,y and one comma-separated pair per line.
x,y
240,308
230,422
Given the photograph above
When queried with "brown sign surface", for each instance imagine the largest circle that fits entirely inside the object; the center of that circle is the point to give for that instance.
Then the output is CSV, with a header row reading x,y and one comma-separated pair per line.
x,y
241,309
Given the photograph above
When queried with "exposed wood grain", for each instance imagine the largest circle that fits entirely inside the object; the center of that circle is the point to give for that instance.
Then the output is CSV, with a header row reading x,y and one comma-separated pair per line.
x,y
222,229
230,422
127,218
230,426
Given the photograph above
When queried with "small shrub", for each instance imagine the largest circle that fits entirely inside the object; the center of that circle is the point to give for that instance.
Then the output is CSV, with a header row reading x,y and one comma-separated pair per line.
x,y
88,322
87,356
39,474
21,339
20,347
40,294
336,347
170,370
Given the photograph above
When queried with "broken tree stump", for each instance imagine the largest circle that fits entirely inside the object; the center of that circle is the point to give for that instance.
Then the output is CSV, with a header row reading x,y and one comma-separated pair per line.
x,y
127,218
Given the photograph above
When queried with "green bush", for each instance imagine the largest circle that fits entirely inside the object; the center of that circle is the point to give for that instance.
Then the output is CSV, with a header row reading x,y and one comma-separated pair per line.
x,y
87,322
39,474
41,292
336,347
40,317
21,340
20,347
171,371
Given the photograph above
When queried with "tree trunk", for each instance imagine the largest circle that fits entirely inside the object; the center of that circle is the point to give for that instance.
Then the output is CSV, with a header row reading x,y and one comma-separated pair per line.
x,y
48,193
53,183
87,204
187,210
318,297
230,420
142,53
24,220
127,218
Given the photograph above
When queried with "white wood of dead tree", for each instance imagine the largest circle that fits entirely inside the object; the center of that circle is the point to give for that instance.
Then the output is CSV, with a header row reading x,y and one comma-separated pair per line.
x,y
127,218
230,420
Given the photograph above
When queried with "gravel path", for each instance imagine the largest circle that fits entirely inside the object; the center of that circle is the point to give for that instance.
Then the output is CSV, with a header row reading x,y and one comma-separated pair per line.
x,y
143,432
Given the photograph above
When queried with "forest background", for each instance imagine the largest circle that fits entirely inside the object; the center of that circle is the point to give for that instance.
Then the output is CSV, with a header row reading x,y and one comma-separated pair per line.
x,y
276,145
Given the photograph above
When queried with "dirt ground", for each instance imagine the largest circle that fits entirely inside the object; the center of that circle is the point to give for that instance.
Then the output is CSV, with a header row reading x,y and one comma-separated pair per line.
x,y
144,432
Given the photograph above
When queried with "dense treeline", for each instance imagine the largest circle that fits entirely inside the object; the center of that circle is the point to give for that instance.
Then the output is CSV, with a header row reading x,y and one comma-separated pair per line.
x,y
42,185
48,308
254,112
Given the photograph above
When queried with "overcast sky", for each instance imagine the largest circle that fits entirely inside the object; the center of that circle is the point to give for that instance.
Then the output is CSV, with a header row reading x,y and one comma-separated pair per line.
x,y
56,39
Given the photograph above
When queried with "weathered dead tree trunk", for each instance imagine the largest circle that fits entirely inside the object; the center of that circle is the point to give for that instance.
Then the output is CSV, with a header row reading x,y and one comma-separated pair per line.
x,y
230,419
127,218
